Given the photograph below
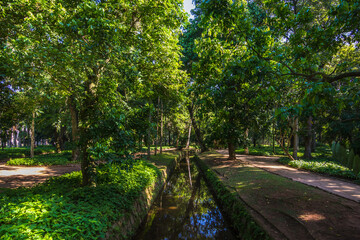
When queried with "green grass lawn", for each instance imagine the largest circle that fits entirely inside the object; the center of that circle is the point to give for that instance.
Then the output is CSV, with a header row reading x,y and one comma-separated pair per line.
x,y
43,160
20,152
60,209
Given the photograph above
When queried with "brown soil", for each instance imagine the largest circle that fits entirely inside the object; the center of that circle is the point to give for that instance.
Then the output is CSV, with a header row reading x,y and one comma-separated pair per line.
x,y
14,177
279,204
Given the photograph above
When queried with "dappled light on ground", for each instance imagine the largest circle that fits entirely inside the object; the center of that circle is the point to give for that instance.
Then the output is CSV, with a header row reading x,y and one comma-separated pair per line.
x,y
311,217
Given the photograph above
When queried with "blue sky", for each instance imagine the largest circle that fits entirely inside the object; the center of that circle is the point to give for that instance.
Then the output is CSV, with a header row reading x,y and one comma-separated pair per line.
x,y
188,5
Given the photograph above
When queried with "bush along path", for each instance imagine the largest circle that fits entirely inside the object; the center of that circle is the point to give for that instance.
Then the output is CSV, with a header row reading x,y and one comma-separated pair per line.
x,y
286,209
332,185
61,209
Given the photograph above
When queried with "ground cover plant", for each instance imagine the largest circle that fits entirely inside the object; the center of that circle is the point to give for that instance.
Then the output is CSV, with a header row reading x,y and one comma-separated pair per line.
x,y
321,165
262,150
322,161
60,209
19,152
43,160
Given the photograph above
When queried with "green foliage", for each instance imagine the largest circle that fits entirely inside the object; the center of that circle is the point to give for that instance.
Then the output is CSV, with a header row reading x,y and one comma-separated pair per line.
x,y
350,162
321,165
43,160
333,149
24,152
263,150
343,156
356,166
59,209
337,151
241,220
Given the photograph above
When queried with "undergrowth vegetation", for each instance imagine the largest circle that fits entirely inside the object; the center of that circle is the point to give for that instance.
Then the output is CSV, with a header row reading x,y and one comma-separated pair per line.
x,y
321,165
43,160
60,209
20,152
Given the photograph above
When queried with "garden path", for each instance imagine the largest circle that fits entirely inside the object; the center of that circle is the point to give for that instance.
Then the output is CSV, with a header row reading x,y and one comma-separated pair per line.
x,y
20,176
329,184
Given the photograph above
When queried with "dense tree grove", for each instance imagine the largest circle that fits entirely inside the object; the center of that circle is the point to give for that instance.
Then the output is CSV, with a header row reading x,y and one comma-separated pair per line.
x,y
105,78
282,69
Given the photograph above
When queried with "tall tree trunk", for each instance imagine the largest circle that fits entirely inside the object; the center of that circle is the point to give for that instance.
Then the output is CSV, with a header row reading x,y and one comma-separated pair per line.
x,y
313,142
246,147
149,135
74,129
296,138
197,130
161,125
231,147
32,135
189,135
57,141
85,165
273,139
157,126
308,138
169,135
177,139
87,110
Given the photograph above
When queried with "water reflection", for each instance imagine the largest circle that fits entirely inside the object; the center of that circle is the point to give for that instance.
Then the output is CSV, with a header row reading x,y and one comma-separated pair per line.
x,y
185,210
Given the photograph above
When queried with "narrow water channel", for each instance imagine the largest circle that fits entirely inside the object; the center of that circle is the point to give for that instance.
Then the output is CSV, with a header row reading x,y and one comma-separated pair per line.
x,y
185,210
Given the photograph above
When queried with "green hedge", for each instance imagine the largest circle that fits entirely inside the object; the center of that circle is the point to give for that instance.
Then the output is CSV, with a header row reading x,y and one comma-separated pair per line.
x,y
241,220
21,152
43,160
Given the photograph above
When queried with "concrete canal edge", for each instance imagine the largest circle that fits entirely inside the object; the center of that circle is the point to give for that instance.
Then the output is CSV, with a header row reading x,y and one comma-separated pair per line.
x,y
131,220
234,209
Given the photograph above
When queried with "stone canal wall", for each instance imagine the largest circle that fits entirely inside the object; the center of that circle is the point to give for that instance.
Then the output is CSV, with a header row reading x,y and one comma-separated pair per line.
x,y
130,221
231,205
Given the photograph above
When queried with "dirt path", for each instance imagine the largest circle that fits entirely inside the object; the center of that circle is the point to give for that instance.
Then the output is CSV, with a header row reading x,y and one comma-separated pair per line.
x,y
332,185
13,177
287,209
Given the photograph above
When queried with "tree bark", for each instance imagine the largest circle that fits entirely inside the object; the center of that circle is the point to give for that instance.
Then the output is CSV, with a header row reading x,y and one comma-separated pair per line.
x,y
231,147
32,135
313,142
157,126
161,125
273,139
197,130
308,138
74,129
296,138
246,148
85,166
189,135
149,135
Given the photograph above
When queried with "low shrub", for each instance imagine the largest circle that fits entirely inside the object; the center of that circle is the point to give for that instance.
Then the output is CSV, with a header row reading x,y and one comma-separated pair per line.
x,y
43,160
20,152
321,165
